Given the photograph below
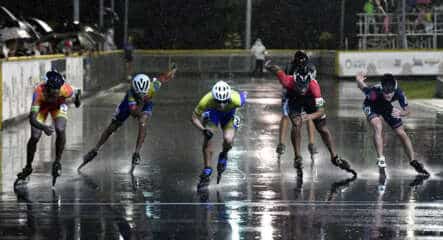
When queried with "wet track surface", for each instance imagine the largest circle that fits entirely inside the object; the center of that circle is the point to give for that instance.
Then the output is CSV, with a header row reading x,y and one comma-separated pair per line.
x,y
258,198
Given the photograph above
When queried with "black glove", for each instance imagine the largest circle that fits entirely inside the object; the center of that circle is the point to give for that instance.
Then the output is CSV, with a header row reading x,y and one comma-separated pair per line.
x,y
208,134
136,158
77,102
267,63
271,67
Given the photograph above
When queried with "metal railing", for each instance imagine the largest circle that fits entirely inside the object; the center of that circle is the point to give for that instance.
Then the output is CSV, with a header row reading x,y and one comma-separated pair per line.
x,y
383,31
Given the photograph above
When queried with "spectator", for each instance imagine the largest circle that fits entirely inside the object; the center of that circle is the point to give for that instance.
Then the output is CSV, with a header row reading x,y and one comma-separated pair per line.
x,y
368,9
379,7
36,49
419,21
66,46
109,41
5,51
259,52
44,48
387,7
428,22
11,46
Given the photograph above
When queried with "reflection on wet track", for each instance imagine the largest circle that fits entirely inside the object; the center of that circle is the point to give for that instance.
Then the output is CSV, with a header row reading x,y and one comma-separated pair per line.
x,y
258,198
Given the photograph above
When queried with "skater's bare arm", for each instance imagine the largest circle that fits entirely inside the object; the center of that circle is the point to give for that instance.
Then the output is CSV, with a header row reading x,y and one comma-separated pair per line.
x,y
196,121
35,123
167,76
273,68
400,112
75,98
318,114
286,81
360,79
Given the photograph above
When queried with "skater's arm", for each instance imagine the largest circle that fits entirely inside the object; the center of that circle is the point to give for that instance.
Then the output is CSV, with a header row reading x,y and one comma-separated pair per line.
x,y
315,115
360,79
405,112
167,76
286,80
403,101
314,90
397,112
37,124
75,98
196,121
201,107
135,110
35,109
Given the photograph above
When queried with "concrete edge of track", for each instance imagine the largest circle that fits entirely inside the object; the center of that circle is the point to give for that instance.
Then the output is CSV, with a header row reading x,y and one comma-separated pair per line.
x,y
431,105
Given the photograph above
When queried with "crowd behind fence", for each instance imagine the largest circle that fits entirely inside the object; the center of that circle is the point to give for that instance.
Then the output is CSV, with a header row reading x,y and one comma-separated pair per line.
x,y
423,29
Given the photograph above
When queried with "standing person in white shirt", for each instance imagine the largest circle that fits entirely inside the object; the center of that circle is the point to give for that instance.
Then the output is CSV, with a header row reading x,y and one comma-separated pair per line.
x,y
259,52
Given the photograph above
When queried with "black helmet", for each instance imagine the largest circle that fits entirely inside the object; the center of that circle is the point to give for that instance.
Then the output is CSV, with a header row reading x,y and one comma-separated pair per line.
x,y
388,83
54,80
302,79
300,58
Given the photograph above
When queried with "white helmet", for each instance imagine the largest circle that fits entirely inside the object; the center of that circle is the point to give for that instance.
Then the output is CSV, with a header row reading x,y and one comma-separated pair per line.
x,y
141,83
221,91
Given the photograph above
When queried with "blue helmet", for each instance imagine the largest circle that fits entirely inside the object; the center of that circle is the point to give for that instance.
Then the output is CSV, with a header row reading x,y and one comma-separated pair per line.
x,y
54,80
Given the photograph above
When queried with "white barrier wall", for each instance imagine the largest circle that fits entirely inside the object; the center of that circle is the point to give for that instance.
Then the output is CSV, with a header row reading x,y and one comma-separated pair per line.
x,y
399,63
19,79
74,71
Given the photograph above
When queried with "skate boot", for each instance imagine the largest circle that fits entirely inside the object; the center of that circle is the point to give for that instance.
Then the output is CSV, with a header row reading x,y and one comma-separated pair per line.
x,y
204,179
56,171
298,165
87,158
419,167
343,164
281,149
381,187
418,180
135,161
23,175
312,149
77,95
221,165
381,163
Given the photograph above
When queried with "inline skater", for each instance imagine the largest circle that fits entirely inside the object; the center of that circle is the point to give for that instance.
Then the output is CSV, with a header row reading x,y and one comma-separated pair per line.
x,y
137,103
50,97
217,108
300,60
304,96
377,107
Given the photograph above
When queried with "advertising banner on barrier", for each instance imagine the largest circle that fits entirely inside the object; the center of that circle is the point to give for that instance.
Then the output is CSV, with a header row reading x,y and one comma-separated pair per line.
x,y
400,63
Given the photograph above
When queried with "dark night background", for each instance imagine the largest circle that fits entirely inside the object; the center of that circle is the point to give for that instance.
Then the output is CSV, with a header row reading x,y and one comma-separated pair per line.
x,y
216,24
